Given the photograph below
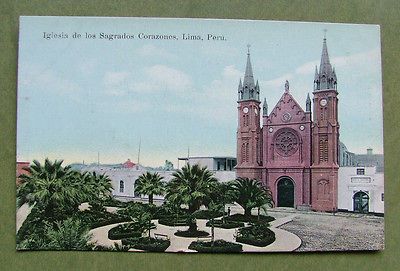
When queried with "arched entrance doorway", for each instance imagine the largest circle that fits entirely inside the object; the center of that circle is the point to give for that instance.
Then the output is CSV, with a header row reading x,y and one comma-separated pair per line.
x,y
361,202
285,192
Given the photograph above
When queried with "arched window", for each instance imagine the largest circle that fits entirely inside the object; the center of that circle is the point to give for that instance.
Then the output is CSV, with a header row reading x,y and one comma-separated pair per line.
x,y
323,148
361,202
121,186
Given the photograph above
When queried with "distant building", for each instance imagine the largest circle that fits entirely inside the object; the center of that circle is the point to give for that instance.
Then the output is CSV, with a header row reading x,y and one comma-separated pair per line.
x,y
21,170
361,182
370,160
123,176
128,164
215,163
361,189
223,167
346,158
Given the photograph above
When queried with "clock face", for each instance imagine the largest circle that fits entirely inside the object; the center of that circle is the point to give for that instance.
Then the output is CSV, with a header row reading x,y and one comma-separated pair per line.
x,y
245,110
255,111
323,102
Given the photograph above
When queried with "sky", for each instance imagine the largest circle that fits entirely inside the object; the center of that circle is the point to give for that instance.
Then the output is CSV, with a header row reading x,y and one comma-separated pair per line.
x,y
80,97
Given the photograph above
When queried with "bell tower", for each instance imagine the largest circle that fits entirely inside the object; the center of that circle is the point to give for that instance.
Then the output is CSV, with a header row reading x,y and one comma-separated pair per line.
x,y
249,139
325,137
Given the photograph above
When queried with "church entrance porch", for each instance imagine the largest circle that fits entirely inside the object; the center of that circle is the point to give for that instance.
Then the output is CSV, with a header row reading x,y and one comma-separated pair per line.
x,y
361,202
285,189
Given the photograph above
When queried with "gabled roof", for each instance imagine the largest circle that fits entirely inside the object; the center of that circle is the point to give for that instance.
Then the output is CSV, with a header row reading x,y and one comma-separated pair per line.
x,y
287,102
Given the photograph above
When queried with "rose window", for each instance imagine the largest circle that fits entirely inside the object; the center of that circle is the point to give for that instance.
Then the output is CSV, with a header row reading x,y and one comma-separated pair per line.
x,y
286,142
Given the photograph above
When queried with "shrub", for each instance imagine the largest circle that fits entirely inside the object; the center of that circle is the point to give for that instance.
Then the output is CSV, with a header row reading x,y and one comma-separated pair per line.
x,y
133,209
191,233
207,214
97,206
115,247
219,246
227,225
94,219
125,231
112,202
165,211
173,221
257,235
146,243
252,219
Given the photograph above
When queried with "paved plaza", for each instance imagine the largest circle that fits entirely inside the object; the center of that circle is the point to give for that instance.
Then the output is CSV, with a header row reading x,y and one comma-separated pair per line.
x,y
337,232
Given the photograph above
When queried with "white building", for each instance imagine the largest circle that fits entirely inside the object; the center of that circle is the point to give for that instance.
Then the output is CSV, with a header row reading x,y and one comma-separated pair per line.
x,y
123,176
361,189
221,166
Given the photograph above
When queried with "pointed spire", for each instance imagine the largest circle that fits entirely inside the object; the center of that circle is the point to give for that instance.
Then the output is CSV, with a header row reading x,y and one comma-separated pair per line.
x,y
248,75
316,77
334,74
325,66
248,90
240,89
308,103
265,107
326,75
257,91
240,85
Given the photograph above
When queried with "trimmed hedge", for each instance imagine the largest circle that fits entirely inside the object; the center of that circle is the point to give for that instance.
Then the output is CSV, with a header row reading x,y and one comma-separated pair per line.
x,y
252,218
98,219
257,235
112,202
227,225
173,221
219,246
191,233
207,214
147,244
119,232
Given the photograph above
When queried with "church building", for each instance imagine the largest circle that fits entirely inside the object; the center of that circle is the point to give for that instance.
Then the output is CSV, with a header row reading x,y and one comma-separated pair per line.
x,y
292,151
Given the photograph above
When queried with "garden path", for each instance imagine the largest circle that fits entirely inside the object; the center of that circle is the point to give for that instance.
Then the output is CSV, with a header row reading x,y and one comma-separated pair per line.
x,y
285,241
22,214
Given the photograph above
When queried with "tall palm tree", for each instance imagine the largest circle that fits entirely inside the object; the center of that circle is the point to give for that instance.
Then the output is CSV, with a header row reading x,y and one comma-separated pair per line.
x,y
250,193
50,186
150,184
98,185
191,185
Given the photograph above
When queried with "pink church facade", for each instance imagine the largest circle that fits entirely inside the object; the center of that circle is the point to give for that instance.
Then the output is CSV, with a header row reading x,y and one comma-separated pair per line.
x,y
292,151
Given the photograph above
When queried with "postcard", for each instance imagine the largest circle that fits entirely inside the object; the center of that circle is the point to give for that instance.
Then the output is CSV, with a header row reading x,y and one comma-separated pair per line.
x,y
198,135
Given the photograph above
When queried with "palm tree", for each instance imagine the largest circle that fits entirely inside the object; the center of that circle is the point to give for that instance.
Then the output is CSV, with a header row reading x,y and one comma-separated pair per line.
x,y
191,185
98,186
250,193
226,195
150,184
51,187
69,234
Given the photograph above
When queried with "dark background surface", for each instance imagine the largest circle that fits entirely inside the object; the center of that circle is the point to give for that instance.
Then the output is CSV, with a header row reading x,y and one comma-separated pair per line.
x,y
384,13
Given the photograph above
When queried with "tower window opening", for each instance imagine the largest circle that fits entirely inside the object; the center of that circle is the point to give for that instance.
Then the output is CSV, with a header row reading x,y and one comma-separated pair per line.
x,y
323,149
